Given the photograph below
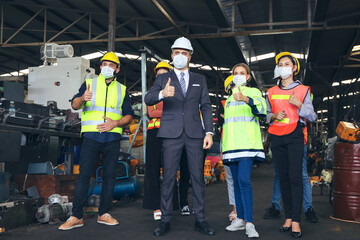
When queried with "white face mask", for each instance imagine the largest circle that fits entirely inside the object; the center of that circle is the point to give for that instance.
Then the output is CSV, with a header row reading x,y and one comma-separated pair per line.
x,y
107,72
180,61
239,80
283,72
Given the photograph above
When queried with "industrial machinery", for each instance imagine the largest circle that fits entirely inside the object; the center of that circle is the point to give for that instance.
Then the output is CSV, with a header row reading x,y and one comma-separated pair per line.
x,y
24,207
125,185
55,211
348,131
59,78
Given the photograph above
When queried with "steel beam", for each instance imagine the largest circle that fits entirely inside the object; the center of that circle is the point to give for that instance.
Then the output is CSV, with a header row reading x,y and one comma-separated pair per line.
x,y
284,23
118,26
73,9
195,36
157,4
2,24
66,28
160,31
23,26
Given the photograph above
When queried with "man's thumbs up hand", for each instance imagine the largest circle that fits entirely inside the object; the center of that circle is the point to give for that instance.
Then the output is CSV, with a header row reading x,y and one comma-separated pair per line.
x,y
168,91
87,94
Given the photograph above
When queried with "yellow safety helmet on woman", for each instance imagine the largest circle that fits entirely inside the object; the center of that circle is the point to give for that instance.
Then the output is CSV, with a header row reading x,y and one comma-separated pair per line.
x,y
277,58
110,56
162,64
227,82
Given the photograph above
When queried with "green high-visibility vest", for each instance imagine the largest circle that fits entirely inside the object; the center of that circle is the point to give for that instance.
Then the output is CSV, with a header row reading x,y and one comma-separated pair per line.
x,y
241,129
106,101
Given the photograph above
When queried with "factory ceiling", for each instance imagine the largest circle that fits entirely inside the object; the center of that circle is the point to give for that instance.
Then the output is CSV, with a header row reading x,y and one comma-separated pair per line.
x,y
324,34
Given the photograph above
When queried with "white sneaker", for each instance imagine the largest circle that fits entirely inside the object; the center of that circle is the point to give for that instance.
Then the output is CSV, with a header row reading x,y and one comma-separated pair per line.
x,y
251,231
236,225
185,211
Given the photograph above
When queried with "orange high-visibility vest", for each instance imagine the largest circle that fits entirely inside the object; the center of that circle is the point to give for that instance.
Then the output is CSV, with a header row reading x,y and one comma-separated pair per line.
x,y
154,123
279,101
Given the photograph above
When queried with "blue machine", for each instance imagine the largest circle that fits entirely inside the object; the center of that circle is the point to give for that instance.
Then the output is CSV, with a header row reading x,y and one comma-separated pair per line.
x,y
122,171
125,185
123,188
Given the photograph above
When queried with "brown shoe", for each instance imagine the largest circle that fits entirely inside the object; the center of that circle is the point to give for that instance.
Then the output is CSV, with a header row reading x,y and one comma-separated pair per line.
x,y
71,223
107,219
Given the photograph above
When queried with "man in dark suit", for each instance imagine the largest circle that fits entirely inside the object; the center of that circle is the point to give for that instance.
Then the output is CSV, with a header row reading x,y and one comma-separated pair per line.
x,y
185,97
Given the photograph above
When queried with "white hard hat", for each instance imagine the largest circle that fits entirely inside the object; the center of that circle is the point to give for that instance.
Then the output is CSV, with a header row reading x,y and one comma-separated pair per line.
x,y
183,43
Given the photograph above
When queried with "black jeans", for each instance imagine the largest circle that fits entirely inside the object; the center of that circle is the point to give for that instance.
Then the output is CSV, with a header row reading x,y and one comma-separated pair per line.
x,y
89,157
288,152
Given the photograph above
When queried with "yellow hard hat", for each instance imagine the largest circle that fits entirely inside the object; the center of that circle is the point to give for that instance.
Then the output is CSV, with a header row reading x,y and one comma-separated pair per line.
x,y
162,64
287,53
110,56
227,82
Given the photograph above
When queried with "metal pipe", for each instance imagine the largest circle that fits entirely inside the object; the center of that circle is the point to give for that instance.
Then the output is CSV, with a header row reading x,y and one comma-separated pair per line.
x,y
270,13
23,26
143,91
233,18
111,25
309,12
137,28
45,24
90,26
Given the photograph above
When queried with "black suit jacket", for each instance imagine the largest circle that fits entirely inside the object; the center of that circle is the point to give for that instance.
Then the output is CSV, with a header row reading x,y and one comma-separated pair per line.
x,y
182,113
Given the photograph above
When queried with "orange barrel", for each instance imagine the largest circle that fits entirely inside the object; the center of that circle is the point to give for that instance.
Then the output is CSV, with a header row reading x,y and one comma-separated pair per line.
x,y
347,181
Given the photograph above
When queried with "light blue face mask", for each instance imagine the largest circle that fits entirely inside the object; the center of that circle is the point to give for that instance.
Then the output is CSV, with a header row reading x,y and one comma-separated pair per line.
x,y
239,80
180,61
107,72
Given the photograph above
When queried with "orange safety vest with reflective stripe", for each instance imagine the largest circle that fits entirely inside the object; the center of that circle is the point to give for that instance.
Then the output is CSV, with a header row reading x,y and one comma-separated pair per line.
x,y
154,123
279,101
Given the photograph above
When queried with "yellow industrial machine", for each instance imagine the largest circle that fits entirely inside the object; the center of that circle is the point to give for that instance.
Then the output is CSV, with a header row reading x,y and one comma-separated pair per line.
x,y
348,131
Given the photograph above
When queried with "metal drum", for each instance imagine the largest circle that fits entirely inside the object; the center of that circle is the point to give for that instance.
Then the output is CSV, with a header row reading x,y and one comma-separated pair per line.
x,y
347,181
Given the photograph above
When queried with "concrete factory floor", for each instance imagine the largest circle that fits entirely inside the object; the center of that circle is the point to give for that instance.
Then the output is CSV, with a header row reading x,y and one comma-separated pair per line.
x,y
137,223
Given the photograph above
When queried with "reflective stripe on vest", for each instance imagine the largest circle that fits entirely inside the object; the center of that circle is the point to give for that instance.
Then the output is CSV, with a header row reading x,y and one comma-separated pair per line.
x,y
241,119
102,109
243,154
154,123
279,101
111,96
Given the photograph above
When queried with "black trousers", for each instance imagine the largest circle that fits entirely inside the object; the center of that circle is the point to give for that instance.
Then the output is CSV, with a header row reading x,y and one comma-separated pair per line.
x,y
152,175
173,148
184,180
288,152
